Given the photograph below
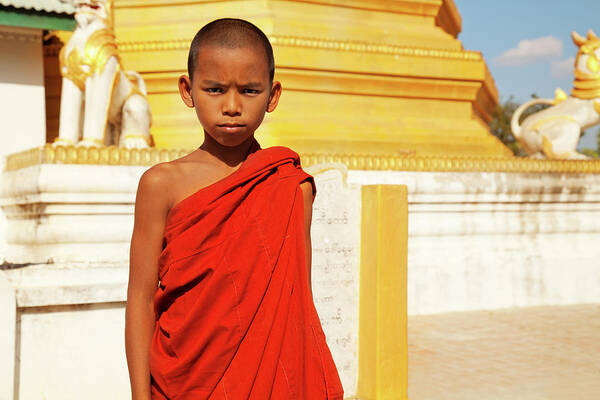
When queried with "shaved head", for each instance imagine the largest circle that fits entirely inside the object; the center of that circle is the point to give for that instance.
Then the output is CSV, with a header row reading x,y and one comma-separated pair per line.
x,y
231,33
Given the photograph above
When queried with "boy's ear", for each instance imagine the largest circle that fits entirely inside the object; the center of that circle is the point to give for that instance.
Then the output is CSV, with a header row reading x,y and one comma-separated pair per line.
x,y
274,96
185,90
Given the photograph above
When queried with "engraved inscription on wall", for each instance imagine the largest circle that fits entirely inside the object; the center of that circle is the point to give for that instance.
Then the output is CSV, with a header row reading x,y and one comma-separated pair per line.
x,y
335,237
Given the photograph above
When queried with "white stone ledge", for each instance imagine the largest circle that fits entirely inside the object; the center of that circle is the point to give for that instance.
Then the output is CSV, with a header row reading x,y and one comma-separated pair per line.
x,y
486,186
498,198
43,296
71,198
66,213
70,229
51,285
68,252
71,178
501,207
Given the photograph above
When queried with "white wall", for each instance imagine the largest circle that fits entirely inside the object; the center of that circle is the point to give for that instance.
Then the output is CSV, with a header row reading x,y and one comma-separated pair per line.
x,y
476,241
62,334
489,240
72,352
22,102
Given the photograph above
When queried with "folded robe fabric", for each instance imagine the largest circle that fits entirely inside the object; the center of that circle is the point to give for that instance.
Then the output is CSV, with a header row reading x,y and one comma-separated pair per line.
x,y
235,317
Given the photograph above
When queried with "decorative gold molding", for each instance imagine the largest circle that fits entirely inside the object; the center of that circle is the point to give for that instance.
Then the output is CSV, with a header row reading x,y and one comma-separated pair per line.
x,y
109,155
378,48
112,155
453,163
154,45
410,7
326,44
157,3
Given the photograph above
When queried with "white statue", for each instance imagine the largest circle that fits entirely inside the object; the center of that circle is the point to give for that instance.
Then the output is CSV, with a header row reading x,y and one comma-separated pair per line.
x,y
554,132
100,103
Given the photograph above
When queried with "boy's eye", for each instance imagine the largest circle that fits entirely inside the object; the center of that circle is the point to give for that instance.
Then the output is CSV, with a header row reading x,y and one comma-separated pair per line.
x,y
213,90
250,91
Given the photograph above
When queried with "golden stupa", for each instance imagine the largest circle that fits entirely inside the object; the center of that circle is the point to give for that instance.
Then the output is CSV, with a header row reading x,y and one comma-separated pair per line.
x,y
361,78
365,77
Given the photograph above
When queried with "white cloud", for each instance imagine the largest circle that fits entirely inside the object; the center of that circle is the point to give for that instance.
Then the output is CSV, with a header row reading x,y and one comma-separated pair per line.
x,y
529,51
563,67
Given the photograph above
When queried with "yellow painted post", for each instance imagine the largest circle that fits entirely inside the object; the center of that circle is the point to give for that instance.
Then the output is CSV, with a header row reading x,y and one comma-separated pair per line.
x,y
382,337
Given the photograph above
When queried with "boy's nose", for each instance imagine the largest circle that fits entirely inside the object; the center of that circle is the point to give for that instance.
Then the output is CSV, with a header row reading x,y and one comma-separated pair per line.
x,y
231,104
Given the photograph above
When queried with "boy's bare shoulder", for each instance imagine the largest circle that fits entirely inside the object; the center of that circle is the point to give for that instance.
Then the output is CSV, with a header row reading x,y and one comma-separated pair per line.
x,y
156,177
168,181
155,183
161,175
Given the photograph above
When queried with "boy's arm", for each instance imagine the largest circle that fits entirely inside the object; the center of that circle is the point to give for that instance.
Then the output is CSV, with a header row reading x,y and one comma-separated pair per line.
x,y
151,207
307,193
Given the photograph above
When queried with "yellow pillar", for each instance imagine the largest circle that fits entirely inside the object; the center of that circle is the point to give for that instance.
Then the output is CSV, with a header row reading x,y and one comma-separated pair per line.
x,y
383,346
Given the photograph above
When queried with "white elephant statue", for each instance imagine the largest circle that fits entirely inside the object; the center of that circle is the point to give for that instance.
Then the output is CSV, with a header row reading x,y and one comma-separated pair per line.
x,y
554,132
100,103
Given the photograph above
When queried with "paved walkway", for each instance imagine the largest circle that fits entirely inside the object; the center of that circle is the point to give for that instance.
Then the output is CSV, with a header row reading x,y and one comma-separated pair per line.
x,y
537,353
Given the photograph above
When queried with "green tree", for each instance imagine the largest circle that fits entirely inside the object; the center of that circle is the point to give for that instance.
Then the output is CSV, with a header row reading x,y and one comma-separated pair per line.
x,y
591,152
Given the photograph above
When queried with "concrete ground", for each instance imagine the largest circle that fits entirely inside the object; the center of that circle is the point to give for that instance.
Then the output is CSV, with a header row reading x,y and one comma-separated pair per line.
x,y
535,353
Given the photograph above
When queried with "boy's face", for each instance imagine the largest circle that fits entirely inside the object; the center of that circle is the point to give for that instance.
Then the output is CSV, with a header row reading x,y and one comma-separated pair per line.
x,y
230,91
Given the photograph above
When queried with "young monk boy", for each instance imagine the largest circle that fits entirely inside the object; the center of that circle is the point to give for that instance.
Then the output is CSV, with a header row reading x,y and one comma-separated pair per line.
x,y
219,303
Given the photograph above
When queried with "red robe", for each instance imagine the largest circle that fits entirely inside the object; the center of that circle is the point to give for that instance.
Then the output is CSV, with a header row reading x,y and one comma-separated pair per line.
x,y
235,318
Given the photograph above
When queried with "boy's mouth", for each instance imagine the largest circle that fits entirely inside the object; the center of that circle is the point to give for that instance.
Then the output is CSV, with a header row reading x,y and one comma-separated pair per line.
x,y
231,127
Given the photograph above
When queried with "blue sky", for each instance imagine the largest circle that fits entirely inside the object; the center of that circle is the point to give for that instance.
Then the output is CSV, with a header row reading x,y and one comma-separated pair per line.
x,y
501,29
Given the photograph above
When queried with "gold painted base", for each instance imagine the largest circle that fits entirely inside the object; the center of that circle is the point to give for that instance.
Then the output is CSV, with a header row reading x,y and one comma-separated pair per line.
x,y
454,163
112,155
105,155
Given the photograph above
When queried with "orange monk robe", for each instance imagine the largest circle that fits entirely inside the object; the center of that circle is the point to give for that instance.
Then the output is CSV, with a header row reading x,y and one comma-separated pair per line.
x,y
235,318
